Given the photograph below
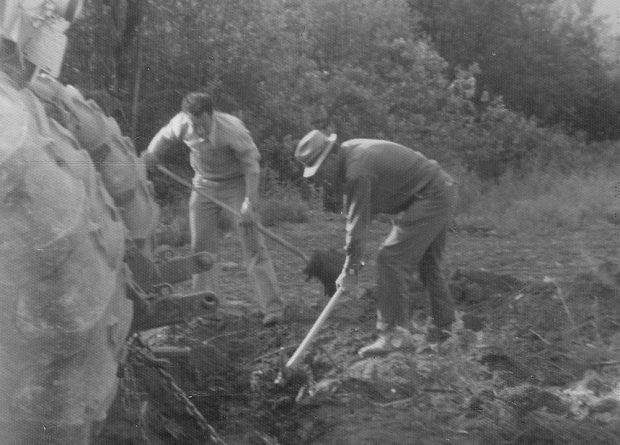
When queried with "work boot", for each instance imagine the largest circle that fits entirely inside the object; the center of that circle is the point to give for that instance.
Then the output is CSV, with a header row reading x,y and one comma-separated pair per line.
x,y
395,339
272,319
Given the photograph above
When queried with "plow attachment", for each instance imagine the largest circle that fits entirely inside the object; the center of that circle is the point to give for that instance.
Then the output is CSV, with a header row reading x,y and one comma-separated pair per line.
x,y
151,288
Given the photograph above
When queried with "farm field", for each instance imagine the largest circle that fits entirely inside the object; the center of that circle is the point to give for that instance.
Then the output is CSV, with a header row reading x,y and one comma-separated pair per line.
x,y
534,357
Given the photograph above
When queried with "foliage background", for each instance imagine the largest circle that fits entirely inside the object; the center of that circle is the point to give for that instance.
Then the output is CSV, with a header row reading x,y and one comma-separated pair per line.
x,y
489,88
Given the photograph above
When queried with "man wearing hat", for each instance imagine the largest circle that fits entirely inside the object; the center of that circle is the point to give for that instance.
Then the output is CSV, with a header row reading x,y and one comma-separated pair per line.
x,y
378,176
226,165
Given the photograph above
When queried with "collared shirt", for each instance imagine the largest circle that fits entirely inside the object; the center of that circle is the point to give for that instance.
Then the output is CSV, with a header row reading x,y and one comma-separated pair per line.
x,y
379,177
228,153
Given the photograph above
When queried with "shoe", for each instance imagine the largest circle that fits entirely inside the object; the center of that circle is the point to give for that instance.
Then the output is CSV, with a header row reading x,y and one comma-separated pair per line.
x,y
435,335
396,339
273,319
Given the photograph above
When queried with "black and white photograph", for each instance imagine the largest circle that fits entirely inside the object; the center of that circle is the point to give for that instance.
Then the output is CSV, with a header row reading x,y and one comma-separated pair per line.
x,y
309,222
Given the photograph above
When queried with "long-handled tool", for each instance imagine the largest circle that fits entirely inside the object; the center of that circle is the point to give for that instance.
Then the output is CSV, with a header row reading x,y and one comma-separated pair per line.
x,y
235,212
293,363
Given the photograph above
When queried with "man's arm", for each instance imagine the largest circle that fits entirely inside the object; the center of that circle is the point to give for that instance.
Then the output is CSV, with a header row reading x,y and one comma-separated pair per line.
x,y
252,179
163,140
357,207
249,157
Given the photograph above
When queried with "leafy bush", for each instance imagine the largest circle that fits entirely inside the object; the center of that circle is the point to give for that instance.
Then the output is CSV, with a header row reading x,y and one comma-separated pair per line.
x,y
561,75
363,68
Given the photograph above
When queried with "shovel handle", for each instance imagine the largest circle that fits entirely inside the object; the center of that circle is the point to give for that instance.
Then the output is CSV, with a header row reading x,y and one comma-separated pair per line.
x,y
235,212
301,349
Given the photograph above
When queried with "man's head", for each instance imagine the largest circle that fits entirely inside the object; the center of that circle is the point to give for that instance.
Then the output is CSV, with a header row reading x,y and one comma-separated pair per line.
x,y
197,103
312,150
199,109
36,29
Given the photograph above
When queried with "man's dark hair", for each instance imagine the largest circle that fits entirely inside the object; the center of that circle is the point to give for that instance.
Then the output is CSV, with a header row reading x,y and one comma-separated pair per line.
x,y
197,103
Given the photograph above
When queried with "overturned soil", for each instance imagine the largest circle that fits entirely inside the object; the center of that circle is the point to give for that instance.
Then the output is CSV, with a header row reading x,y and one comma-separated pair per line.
x,y
534,357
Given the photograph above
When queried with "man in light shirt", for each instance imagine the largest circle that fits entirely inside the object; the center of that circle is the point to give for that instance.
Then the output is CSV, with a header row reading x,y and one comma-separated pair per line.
x,y
225,161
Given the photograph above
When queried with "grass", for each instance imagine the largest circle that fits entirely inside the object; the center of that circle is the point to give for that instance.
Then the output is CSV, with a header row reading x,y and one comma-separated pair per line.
x,y
542,200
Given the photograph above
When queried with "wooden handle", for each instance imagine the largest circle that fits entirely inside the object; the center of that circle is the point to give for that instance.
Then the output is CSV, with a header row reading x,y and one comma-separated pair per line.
x,y
235,212
301,349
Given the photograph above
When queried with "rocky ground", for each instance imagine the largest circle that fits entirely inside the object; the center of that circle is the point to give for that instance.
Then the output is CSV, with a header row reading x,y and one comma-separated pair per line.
x,y
534,357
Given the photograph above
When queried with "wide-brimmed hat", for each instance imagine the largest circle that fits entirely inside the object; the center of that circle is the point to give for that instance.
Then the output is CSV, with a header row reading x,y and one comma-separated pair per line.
x,y
312,150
